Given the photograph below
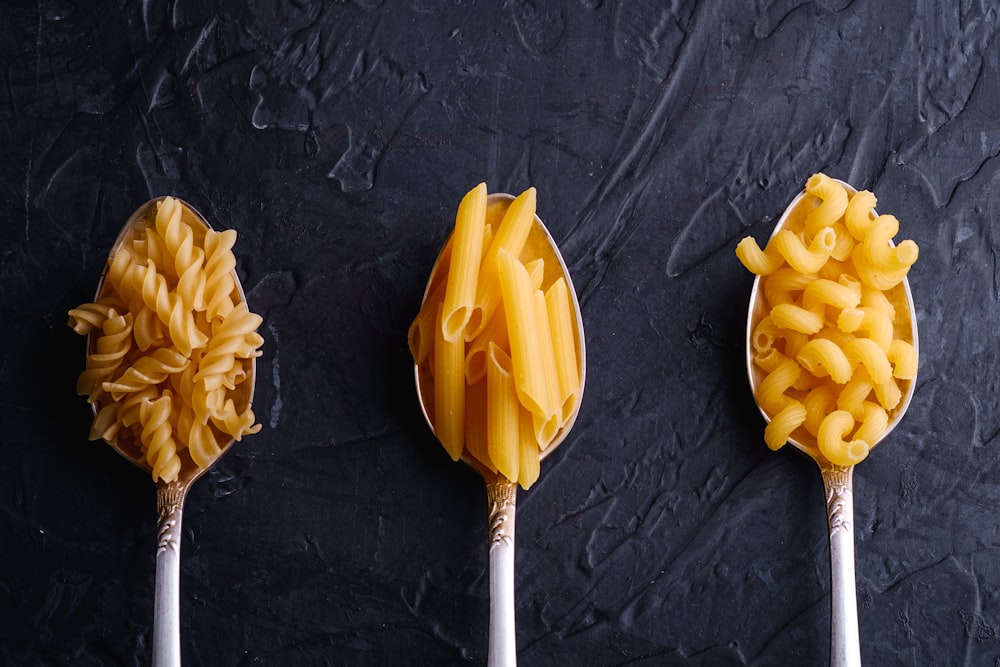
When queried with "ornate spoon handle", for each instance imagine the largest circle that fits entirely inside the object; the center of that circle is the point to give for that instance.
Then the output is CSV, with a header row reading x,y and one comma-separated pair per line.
x,y
502,498
845,646
166,605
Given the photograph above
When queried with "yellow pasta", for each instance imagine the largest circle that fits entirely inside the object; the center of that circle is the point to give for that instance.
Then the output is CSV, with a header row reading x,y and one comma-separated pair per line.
x,y
476,420
832,356
780,428
169,345
833,203
466,255
903,358
858,215
529,465
495,331
781,284
821,292
558,310
449,390
510,236
831,440
796,318
521,364
822,357
869,320
502,414
523,329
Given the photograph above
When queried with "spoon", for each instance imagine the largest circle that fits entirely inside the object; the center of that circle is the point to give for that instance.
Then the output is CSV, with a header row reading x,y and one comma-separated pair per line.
x,y
501,493
845,646
170,495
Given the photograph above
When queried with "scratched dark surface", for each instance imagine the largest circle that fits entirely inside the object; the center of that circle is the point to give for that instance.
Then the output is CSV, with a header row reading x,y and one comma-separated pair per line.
x,y
337,139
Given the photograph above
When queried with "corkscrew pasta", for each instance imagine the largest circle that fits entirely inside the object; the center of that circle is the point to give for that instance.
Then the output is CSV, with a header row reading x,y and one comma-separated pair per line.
x,y
834,357
507,381
172,342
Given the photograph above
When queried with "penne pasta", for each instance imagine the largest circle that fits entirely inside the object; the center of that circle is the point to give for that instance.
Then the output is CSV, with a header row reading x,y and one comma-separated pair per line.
x,y
558,310
529,463
463,271
523,329
503,431
449,391
510,236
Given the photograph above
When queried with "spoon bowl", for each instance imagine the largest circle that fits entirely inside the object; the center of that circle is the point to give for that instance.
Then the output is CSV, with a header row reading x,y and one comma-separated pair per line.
x,y
170,496
501,492
845,649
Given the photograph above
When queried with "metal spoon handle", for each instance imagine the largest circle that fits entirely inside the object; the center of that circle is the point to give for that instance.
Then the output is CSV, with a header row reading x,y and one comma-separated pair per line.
x,y
502,498
845,645
166,605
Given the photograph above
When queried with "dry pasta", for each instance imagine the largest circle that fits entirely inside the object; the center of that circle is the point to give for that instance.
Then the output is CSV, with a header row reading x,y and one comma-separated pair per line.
x,y
172,341
519,355
832,357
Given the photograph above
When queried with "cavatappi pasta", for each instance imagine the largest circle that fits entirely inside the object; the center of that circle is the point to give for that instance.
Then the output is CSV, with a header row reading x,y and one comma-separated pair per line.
x,y
505,363
832,343
172,344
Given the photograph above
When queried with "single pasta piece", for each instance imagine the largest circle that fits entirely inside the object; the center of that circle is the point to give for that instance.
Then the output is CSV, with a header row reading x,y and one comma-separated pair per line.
x,y
476,420
796,318
529,464
833,203
779,429
824,358
460,295
558,310
858,216
832,444
523,328
903,358
840,294
502,414
449,391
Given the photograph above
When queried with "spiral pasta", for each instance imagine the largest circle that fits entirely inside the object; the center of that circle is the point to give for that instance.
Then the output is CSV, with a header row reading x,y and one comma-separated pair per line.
x,y
172,344
833,357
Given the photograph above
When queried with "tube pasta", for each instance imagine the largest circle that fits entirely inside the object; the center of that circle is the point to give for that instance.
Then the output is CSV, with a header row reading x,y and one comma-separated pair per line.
x,y
466,254
503,431
449,390
834,359
170,345
831,440
833,203
521,364
510,236
526,348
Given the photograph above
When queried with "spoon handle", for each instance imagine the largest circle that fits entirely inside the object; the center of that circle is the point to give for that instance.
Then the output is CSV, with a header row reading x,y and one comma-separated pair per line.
x,y
845,645
166,606
502,498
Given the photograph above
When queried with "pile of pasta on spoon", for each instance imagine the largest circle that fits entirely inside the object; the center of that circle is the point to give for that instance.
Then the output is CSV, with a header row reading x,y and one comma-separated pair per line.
x,y
172,344
835,341
497,335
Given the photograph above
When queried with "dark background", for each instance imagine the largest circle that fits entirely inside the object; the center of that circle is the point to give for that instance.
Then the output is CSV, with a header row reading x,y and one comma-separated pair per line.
x,y
337,138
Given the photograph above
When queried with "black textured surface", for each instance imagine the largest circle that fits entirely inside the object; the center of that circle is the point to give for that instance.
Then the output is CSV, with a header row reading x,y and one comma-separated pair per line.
x,y
337,138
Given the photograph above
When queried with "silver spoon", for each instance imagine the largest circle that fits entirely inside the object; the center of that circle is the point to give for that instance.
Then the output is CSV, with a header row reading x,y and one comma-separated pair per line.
x,y
501,493
845,646
170,495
